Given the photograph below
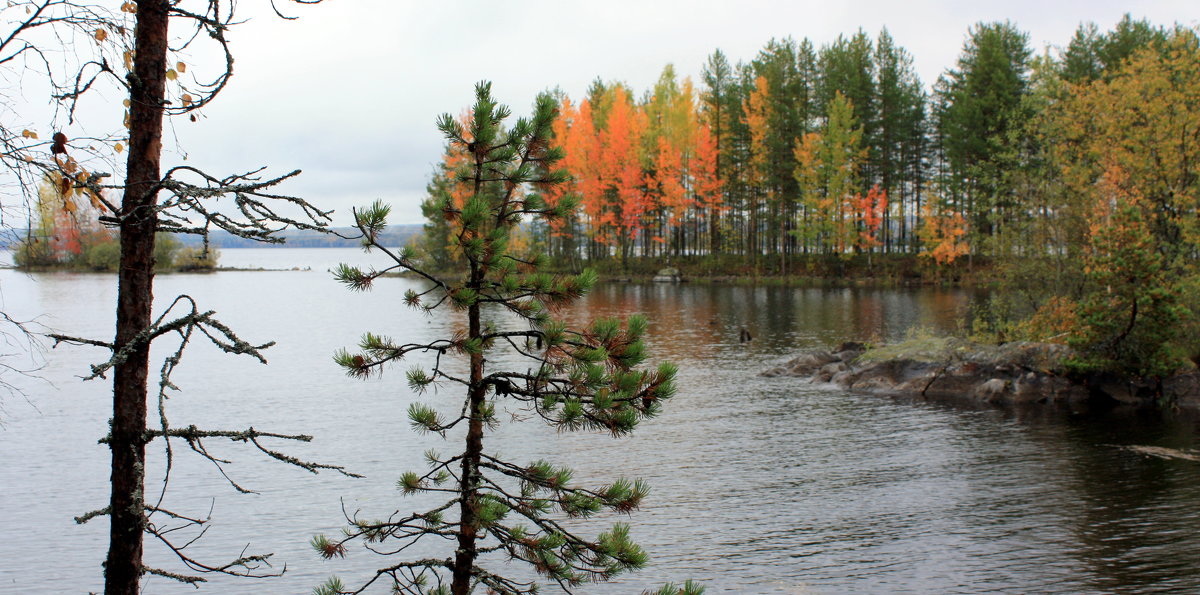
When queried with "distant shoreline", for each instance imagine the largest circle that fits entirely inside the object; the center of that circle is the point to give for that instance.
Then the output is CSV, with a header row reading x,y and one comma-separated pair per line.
x,y
334,237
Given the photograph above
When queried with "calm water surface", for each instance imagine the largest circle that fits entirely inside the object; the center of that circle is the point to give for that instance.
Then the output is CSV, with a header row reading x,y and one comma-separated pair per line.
x,y
760,485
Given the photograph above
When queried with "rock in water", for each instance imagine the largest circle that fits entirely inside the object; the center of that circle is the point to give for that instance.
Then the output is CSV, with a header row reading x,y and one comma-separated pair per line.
x,y
954,369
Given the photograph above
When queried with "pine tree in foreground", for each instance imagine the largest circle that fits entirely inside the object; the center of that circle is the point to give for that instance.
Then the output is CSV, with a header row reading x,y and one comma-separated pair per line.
x,y
500,513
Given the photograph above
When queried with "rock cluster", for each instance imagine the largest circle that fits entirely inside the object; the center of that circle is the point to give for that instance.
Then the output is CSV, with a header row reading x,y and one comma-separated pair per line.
x,y
1013,373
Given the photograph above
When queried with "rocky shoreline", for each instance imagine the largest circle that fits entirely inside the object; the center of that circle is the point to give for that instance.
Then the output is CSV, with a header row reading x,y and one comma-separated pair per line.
x,y
1018,373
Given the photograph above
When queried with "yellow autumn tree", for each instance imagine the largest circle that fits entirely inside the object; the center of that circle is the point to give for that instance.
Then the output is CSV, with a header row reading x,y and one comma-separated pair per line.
x,y
1127,150
1144,121
757,110
827,173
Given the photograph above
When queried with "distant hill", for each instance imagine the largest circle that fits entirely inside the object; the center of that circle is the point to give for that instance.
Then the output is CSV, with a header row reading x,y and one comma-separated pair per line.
x,y
394,235
9,237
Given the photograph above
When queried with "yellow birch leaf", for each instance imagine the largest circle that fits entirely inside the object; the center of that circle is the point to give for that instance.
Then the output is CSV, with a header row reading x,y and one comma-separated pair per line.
x,y
187,99
29,134
172,75
181,67
118,147
100,35
126,103
128,59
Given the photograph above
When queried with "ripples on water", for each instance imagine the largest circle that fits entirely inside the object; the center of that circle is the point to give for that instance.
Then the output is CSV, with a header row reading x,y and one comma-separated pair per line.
x,y
758,485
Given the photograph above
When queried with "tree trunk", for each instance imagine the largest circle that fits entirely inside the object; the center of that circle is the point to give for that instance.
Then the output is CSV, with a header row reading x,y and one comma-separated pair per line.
x,y
123,569
465,554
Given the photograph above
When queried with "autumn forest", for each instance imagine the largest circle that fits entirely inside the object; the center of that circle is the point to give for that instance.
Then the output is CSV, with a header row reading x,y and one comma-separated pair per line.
x,y
806,160
1064,181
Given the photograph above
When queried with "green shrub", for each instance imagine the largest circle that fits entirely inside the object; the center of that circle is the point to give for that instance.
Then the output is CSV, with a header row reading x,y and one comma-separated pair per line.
x,y
166,246
102,256
194,258
33,253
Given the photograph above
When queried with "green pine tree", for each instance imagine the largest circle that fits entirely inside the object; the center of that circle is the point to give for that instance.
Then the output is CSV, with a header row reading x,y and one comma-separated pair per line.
x,y
981,103
898,146
576,379
847,68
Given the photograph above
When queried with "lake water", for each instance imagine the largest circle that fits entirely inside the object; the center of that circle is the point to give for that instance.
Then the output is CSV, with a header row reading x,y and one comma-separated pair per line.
x,y
759,485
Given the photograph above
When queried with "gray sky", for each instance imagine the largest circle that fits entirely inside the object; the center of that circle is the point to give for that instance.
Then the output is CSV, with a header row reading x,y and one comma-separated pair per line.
x,y
349,92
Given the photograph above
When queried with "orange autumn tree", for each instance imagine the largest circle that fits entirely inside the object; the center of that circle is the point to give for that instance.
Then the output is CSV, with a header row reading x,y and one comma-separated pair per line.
x,y
623,200
65,230
869,210
668,182
706,183
943,233
757,111
575,135
566,134
683,176
578,136
645,174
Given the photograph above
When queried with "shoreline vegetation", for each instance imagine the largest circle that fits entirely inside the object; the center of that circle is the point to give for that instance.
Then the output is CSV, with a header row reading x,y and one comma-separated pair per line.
x,y
898,271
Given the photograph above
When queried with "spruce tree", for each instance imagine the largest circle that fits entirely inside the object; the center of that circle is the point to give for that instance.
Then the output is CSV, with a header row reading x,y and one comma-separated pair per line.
x,y
981,105
576,380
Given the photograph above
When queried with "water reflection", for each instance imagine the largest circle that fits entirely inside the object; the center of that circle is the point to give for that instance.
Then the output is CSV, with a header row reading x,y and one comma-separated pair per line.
x,y
699,321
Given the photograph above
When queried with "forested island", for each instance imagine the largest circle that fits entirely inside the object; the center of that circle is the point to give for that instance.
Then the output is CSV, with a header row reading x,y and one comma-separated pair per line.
x,y
1066,182
821,161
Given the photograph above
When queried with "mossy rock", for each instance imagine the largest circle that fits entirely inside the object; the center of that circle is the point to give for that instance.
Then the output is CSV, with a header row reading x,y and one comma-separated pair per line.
x,y
1048,357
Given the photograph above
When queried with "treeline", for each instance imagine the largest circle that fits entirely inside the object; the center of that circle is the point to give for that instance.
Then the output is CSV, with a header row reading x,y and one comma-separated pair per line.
x,y
804,157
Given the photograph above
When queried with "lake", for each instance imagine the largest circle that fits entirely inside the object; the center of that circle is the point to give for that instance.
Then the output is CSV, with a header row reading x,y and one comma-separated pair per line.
x,y
758,485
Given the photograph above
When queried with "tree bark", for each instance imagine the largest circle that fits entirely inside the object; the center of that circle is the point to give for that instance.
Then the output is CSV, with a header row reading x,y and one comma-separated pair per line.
x,y
464,556
123,568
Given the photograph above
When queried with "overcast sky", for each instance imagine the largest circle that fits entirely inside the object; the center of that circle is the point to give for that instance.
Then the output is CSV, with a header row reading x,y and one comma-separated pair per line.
x,y
349,91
